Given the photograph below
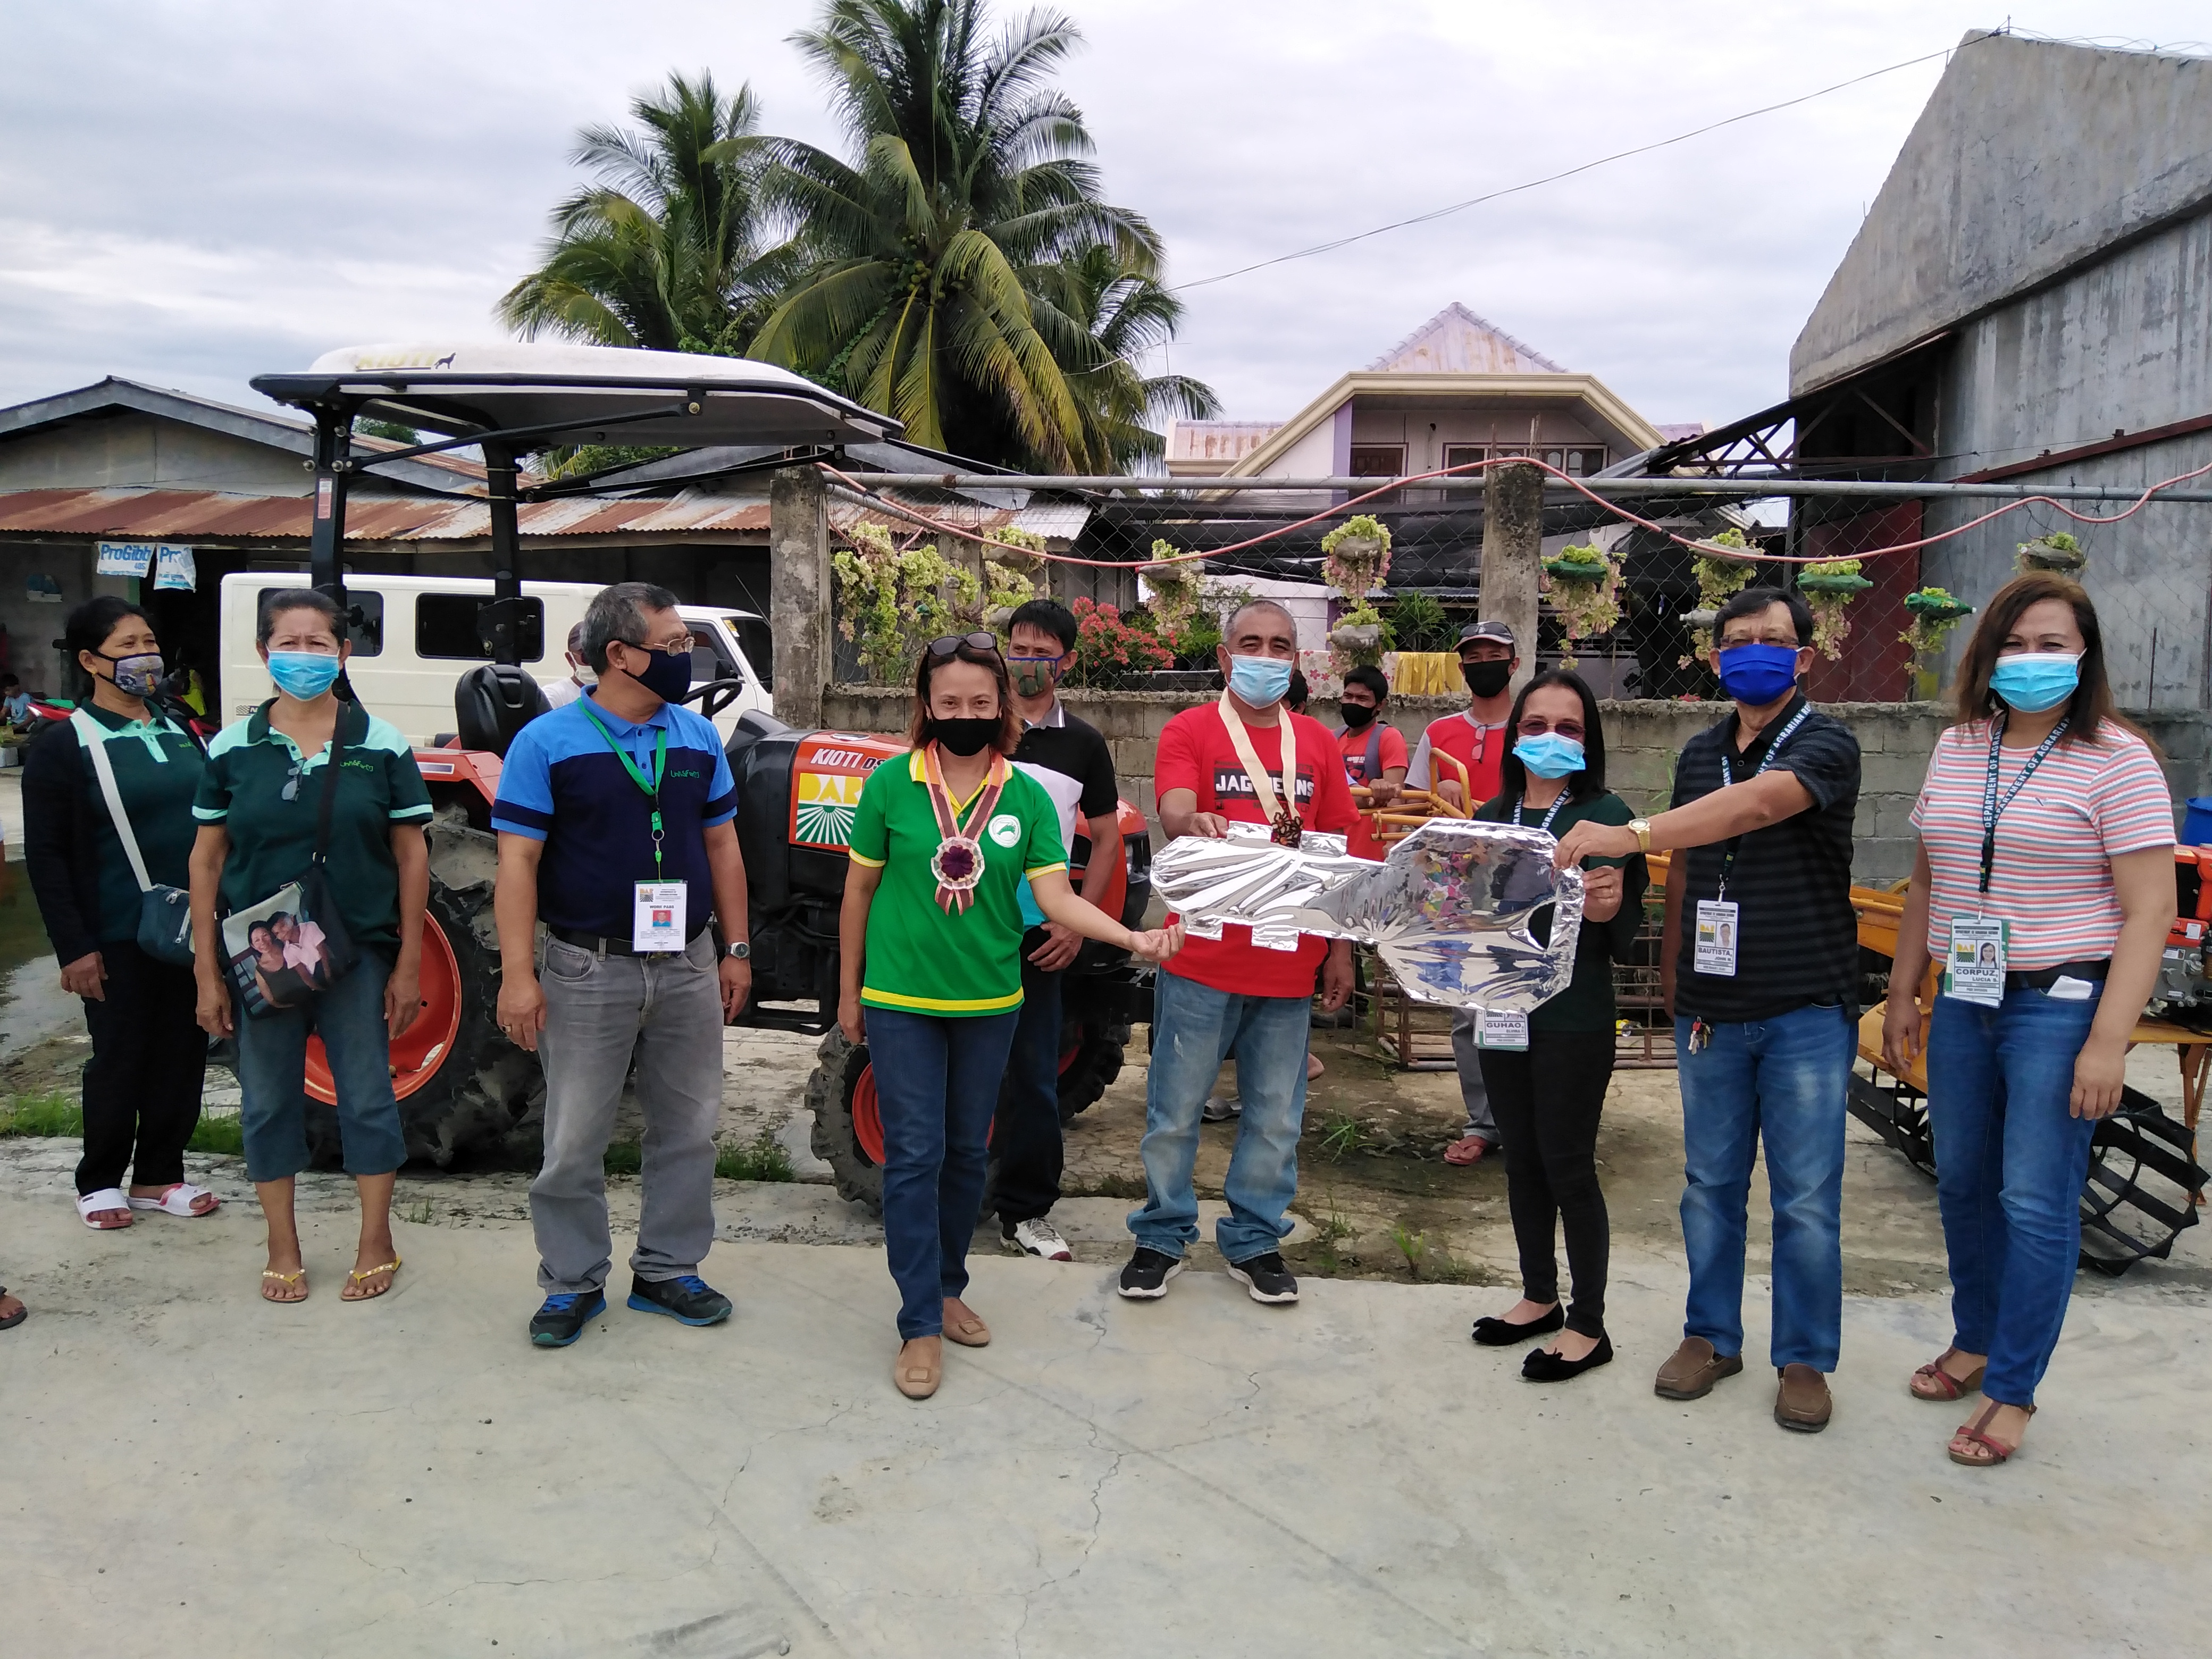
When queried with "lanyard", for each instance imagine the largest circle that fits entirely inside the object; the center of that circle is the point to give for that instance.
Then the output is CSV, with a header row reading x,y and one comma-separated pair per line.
x,y
1284,818
1548,817
1992,808
651,786
1728,780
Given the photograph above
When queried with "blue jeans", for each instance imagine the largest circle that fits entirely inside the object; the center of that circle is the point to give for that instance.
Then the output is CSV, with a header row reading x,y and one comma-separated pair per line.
x,y
2009,1165
1781,1082
1193,1028
937,1085
272,1071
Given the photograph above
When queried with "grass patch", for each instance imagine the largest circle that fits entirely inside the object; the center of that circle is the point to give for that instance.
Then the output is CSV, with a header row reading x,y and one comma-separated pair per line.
x,y
225,1136
624,1158
761,1158
42,1114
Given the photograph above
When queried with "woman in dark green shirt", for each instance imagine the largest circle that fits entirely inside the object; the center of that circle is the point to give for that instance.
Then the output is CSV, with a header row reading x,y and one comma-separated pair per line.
x,y
1549,1096
142,1088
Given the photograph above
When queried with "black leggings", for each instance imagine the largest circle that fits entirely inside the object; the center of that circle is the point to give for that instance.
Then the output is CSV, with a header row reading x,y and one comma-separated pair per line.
x,y
142,1086
1548,1101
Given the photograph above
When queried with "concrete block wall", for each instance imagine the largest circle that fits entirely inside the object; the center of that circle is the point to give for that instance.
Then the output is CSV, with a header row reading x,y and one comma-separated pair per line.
x,y
1642,742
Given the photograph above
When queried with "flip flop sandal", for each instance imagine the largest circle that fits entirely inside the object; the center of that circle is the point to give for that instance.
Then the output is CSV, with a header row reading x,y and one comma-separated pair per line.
x,y
179,1200
1942,1386
359,1279
14,1318
90,1204
1462,1160
290,1279
1998,1452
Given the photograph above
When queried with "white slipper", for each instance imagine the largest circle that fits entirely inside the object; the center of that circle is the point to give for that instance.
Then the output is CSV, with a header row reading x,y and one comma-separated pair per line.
x,y
178,1201
108,1198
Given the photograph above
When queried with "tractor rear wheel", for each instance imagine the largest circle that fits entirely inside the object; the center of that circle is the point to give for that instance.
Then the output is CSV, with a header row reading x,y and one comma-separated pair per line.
x,y
1093,1037
465,1091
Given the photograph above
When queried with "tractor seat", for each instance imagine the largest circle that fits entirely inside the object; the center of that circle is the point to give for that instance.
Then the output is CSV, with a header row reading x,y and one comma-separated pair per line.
x,y
494,701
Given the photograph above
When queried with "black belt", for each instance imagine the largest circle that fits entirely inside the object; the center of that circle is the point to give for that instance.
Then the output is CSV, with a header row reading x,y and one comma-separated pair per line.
x,y
598,945
2042,979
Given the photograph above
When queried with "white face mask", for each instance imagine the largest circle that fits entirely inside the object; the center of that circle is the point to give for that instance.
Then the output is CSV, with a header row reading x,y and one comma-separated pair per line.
x,y
580,671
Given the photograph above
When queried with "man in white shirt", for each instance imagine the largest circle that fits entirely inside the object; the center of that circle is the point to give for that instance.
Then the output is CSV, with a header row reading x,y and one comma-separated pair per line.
x,y
581,678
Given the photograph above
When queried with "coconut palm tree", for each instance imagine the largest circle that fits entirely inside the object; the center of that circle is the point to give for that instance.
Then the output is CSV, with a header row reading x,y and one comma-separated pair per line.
x,y
667,248
969,180
1102,319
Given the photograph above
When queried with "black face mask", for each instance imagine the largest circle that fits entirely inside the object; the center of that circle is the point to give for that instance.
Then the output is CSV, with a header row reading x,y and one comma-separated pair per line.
x,y
1356,714
965,737
1488,679
668,677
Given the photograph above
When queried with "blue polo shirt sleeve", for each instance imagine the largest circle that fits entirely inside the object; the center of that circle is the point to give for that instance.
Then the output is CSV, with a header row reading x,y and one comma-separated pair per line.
x,y
722,799
524,803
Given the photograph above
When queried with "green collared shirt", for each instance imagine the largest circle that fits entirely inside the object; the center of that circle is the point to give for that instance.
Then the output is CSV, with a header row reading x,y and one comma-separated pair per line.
x,y
272,840
157,772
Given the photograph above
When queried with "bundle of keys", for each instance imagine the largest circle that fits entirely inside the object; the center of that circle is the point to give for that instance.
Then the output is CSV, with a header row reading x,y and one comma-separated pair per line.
x,y
1448,911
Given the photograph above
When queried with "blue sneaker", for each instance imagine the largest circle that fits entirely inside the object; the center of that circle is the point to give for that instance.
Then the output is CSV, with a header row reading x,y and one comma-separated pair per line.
x,y
688,1299
563,1319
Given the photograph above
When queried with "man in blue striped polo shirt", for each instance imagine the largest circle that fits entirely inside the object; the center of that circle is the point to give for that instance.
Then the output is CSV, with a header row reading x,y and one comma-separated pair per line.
x,y
614,830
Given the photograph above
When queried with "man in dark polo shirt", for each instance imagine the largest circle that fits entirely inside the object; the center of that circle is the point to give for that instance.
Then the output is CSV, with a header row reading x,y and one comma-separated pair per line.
x,y
1069,757
615,829
1760,967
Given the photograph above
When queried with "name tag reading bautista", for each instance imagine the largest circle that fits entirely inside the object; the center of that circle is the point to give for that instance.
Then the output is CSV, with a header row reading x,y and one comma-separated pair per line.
x,y
1715,951
657,920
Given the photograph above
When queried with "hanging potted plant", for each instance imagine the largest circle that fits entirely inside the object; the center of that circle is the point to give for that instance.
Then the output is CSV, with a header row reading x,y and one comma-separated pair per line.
x,y
1722,574
1356,557
1934,613
1584,588
2057,551
1828,588
1177,585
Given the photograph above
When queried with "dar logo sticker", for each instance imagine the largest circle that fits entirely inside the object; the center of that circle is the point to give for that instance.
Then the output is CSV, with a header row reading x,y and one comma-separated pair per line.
x,y
1006,830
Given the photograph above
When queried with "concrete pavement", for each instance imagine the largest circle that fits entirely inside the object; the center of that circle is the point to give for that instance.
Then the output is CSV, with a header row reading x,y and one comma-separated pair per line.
x,y
192,1471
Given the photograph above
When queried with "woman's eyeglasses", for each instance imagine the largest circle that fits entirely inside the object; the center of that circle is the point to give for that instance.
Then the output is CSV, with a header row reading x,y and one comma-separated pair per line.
x,y
950,644
1535,725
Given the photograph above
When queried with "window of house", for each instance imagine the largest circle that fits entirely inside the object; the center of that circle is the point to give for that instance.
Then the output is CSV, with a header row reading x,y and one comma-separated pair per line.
x,y
1576,462
446,626
1464,454
365,626
1378,461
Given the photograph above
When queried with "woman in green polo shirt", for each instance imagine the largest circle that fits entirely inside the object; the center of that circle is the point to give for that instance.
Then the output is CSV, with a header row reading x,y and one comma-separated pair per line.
x,y
142,1088
1549,1094
259,809
931,937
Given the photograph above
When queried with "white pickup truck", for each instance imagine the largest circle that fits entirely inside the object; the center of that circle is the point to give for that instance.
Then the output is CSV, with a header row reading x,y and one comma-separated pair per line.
x,y
419,636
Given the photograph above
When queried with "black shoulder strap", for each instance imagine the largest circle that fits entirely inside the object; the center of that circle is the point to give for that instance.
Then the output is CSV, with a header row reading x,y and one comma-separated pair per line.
x,y
330,777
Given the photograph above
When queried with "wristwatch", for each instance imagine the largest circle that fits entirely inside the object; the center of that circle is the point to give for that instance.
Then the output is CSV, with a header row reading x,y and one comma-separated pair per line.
x,y
741,951
1643,827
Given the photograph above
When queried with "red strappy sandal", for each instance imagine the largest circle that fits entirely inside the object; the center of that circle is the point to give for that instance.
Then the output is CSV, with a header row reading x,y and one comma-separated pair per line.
x,y
1998,1451
1942,1386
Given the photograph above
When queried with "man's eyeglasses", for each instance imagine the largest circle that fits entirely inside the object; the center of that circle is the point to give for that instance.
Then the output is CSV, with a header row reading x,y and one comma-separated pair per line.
x,y
680,647
950,644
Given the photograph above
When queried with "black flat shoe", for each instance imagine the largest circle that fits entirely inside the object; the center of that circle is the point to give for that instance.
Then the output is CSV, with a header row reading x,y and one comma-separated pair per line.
x,y
1498,1334
1543,1366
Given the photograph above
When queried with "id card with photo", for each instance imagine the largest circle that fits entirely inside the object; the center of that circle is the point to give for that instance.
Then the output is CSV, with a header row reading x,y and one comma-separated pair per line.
x,y
1714,951
1974,967
657,920
1497,1028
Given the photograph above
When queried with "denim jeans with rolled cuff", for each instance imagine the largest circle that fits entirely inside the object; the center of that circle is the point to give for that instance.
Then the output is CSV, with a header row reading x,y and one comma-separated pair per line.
x,y
937,1086
272,1077
1194,1028
1779,1083
2010,1160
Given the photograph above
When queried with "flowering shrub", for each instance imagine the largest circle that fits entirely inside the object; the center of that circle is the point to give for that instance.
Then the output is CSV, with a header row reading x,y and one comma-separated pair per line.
x,y
1108,649
1178,589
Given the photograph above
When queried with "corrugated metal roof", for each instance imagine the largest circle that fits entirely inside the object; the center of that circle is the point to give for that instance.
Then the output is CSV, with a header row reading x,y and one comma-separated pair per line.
x,y
213,515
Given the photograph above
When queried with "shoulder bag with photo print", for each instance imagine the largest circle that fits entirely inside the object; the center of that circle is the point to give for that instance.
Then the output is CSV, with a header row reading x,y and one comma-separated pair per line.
x,y
165,912
283,969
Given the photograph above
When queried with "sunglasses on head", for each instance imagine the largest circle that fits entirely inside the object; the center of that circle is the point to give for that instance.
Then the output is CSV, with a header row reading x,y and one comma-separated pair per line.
x,y
950,644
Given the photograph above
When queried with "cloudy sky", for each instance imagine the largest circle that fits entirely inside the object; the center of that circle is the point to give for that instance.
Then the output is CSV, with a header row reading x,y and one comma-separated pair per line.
x,y
192,193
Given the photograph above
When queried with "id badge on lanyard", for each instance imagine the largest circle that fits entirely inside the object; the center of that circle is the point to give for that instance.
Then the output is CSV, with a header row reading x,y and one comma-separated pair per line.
x,y
1713,945
1975,964
1498,1029
659,919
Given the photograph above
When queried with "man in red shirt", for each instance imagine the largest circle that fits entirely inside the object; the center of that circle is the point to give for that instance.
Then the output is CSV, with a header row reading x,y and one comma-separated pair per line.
x,y
1374,752
1477,740
1231,988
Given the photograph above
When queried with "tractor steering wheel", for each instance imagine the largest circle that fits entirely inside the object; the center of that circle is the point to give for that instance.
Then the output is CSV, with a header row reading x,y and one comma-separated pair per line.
x,y
712,696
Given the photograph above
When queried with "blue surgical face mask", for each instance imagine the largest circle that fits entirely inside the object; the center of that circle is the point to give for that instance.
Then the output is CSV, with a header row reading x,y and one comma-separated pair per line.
x,y
1756,675
2033,681
302,674
1260,681
1549,754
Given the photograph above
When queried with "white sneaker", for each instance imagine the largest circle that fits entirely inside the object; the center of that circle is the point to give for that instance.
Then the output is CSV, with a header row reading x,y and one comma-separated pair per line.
x,y
1038,1237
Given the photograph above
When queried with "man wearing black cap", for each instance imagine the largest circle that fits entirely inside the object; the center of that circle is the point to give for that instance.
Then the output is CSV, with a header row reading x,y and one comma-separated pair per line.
x,y
1458,758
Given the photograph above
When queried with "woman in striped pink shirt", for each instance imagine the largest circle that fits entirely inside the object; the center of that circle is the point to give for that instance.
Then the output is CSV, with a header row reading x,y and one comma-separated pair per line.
x,y
2043,888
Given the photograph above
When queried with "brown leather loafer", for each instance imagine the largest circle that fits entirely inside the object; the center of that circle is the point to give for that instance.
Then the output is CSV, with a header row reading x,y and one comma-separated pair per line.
x,y
1801,1403
1693,1369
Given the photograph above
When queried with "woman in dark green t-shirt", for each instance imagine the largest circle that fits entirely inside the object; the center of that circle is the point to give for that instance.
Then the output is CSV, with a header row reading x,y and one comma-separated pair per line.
x,y
931,974
1549,1096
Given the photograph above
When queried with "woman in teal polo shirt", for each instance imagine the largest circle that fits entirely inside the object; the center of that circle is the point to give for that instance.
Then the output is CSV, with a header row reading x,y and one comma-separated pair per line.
x,y
258,810
142,1088
931,937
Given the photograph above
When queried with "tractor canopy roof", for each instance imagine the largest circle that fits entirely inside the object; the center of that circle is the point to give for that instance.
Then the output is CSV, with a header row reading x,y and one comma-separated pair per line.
x,y
542,395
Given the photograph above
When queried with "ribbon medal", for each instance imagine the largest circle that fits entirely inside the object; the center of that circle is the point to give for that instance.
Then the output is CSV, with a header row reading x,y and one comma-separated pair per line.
x,y
1285,827
958,863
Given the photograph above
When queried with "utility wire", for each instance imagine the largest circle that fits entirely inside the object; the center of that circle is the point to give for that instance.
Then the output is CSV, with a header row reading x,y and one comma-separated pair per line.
x,y
1553,178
